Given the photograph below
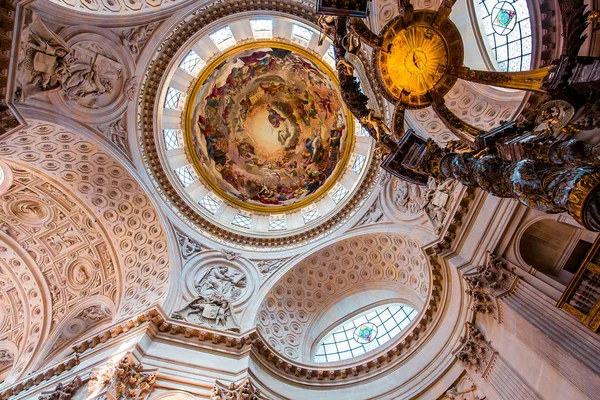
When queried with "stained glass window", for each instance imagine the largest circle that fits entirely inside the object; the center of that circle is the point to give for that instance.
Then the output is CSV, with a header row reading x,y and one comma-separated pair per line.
x,y
507,26
364,333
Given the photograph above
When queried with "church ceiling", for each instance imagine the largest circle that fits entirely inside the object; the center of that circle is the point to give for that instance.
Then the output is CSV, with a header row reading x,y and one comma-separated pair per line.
x,y
326,277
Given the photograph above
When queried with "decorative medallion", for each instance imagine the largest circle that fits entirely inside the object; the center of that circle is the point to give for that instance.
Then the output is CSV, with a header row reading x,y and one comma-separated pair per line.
x,y
417,58
266,127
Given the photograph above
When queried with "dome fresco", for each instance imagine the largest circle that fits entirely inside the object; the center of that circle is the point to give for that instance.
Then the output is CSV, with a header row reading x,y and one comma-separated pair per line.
x,y
268,127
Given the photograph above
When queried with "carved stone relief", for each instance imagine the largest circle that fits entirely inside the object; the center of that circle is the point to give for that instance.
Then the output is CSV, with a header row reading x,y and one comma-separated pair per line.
x,y
437,200
7,359
96,78
43,67
464,389
243,390
123,380
217,288
267,267
135,38
476,352
373,215
407,197
188,246
117,134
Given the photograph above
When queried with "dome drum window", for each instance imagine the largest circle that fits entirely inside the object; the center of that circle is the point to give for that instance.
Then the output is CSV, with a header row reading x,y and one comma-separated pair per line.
x,y
174,99
192,63
173,138
301,35
223,38
262,28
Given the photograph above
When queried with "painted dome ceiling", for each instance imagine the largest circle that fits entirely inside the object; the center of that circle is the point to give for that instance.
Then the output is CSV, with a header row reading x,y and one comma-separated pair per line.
x,y
266,127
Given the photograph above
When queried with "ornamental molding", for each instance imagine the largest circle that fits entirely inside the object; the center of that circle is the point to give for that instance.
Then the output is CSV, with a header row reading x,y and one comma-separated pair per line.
x,y
476,352
39,377
150,87
490,282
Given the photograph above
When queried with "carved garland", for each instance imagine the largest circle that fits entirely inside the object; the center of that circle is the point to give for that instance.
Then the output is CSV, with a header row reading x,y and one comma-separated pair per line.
x,y
151,86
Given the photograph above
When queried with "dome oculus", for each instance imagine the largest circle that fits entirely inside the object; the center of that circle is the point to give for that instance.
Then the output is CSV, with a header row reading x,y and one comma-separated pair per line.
x,y
267,127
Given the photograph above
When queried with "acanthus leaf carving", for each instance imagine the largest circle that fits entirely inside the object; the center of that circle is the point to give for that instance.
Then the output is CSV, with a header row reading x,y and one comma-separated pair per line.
x,y
63,392
130,87
125,380
491,281
476,352
237,391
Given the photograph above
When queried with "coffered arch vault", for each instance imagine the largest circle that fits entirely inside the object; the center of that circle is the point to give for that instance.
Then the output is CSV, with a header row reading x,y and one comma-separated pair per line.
x,y
85,228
